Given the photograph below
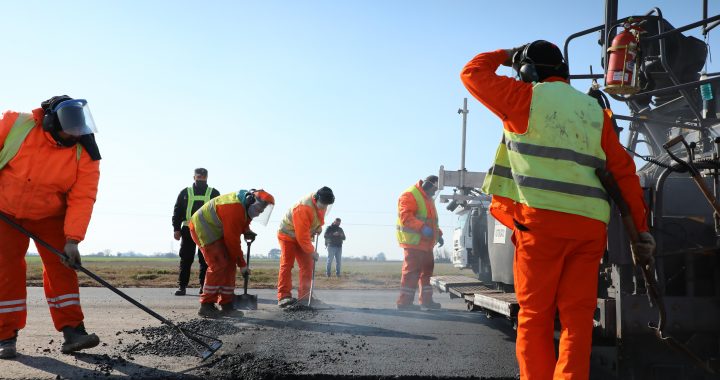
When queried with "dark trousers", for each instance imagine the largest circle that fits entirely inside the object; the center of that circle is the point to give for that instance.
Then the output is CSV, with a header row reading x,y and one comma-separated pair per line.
x,y
187,256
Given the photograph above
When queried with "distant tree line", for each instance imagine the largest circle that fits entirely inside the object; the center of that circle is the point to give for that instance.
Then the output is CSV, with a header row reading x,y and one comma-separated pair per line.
x,y
274,254
109,253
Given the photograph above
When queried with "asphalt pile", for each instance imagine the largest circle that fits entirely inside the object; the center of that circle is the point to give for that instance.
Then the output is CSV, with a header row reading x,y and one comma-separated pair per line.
x,y
299,311
167,341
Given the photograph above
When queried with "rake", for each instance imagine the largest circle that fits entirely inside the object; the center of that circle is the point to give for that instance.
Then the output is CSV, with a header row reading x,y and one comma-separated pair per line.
x,y
212,344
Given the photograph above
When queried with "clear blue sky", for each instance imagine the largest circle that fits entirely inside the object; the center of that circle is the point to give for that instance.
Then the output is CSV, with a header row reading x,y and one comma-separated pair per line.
x,y
290,96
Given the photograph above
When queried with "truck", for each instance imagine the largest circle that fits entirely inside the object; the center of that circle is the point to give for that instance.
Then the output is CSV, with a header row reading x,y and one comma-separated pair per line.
x,y
661,324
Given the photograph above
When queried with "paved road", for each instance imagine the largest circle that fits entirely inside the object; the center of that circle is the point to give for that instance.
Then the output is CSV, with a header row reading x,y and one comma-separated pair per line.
x,y
359,333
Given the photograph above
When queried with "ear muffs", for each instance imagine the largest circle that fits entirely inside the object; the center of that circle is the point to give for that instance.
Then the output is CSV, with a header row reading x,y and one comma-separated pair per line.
x,y
50,121
527,68
527,71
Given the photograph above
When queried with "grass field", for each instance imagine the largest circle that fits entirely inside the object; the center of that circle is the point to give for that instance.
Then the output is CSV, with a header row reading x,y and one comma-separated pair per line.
x,y
162,272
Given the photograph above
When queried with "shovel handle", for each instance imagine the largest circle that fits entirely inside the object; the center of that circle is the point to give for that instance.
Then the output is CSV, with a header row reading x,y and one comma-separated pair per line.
x,y
312,281
246,277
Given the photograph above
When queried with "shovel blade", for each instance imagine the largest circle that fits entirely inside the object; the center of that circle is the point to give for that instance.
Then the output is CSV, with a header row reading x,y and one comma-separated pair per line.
x,y
214,346
246,301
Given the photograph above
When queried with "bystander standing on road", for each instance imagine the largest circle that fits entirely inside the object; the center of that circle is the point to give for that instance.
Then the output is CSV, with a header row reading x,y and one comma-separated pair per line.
x,y
334,237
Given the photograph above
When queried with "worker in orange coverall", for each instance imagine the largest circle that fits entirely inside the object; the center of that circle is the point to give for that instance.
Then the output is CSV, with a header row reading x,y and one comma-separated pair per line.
x,y
303,221
49,172
544,187
216,228
417,234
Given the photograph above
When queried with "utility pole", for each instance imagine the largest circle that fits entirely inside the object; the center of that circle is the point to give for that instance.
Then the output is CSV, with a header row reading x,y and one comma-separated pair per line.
x,y
463,111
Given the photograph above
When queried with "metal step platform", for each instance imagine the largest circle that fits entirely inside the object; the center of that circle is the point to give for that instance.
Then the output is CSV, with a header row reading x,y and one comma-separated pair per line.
x,y
467,292
445,283
477,295
502,303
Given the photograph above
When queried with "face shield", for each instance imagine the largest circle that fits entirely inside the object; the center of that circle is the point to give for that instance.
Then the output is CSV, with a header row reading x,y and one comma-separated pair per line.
x,y
430,189
75,117
325,208
260,212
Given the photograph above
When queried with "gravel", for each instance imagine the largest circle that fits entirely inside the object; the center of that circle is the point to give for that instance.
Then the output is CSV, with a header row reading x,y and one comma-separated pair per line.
x,y
166,341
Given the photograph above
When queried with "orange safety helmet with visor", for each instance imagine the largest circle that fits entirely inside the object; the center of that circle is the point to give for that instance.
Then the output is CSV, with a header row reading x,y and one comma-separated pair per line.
x,y
260,206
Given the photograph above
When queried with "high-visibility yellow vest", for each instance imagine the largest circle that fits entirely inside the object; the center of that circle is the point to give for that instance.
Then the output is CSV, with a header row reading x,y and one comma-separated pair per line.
x,y
18,132
552,165
288,228
206,222
406,235
192,198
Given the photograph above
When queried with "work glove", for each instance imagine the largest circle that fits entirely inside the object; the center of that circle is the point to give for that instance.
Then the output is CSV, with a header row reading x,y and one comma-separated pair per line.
x,y
250,236
441,242
318,231
177,235
427,231
315,256
245,271
643,251
510,60
72,259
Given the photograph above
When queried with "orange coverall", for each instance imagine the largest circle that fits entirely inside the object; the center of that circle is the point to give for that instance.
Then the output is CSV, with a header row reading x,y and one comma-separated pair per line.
x,y
223,255
45,189
298,248
557,259
418,260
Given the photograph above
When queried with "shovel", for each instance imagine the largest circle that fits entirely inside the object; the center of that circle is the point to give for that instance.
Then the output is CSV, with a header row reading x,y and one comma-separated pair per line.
x,y
246,301
312,281
209,344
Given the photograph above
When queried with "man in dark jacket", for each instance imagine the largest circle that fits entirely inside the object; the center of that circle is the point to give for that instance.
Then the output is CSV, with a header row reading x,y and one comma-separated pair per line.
x,y
334,236
188,201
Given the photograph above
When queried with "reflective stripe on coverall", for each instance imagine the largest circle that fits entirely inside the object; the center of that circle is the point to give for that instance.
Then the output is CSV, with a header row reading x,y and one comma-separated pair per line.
x,y
296,243
556,261
216,228
419,262
50,191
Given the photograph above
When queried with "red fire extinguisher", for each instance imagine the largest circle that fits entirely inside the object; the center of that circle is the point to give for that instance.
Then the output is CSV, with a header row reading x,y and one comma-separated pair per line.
x,y
622,69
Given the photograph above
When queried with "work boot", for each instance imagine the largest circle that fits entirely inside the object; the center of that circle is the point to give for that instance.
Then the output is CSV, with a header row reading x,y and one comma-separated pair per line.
x,y
180,292
229,310
208,310
76,339
8,349
201,290
431,305
407,306
286,301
